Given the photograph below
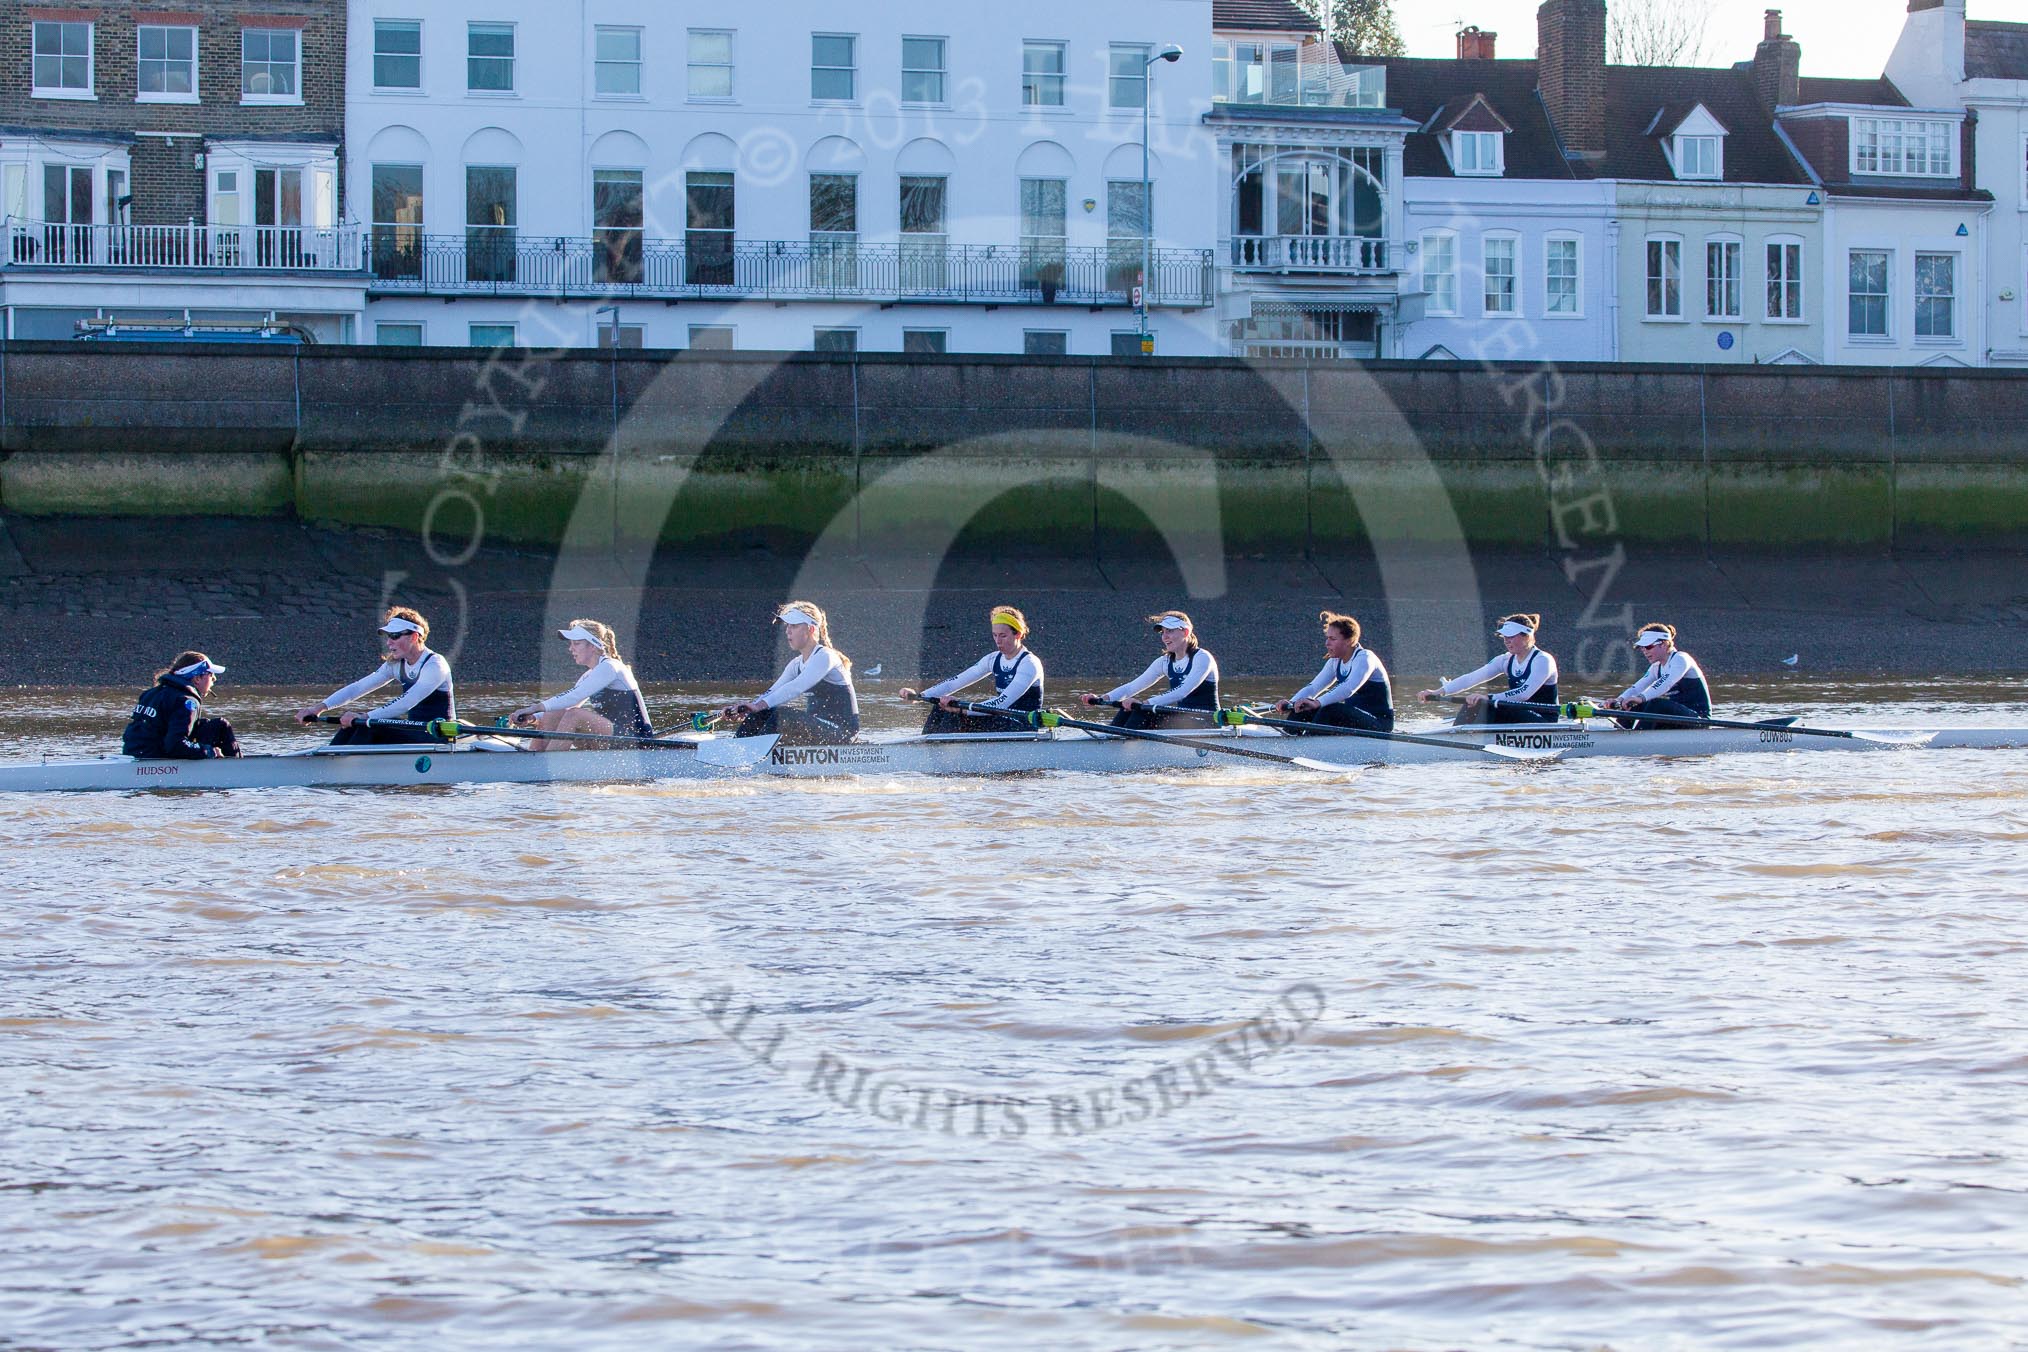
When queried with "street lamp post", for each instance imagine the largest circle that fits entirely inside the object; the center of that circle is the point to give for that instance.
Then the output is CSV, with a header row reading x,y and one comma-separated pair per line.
x,y
1170,53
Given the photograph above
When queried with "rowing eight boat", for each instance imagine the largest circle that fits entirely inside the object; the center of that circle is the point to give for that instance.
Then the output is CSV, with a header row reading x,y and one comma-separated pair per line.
x,y
486,760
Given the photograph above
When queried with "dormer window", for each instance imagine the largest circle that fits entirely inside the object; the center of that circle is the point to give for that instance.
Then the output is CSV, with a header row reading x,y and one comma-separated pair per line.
x,y
1477,152
1698,157
1692,141
1907,147
1473,136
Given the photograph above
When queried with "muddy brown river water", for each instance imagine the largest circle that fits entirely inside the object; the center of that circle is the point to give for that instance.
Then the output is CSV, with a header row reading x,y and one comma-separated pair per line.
x,y
1726,1052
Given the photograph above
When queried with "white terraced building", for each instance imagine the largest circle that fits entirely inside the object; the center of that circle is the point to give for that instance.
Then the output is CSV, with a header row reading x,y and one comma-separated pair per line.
x,y
901,176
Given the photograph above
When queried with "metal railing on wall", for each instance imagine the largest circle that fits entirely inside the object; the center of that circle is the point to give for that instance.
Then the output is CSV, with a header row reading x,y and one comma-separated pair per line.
x,y
203,248
491,260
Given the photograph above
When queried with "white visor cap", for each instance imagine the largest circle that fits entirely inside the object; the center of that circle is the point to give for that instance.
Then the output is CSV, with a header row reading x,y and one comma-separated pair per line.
x,y
1171,622
1649,637
795,617
207,666
579,632
1513,629
398,626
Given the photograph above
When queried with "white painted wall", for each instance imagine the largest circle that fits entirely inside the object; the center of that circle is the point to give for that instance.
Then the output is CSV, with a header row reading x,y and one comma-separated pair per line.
x,y
555,129
1532,212
1903,230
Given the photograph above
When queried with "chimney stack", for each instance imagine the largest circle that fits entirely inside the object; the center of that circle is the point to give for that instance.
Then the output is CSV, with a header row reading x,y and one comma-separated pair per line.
x,y
1777,66
1475,44
1570,52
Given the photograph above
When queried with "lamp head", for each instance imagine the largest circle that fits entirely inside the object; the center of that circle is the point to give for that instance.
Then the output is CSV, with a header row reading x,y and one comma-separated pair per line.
x,y
1170,53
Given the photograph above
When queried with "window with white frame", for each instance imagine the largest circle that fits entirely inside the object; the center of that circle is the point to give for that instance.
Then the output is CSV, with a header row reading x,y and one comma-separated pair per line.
x,y
926,341
270,65
616,62
1907,146
834,340
1562,255
1784,272
834,66
1503,275
1665,278
397,54
1936,295
611,336
1722,288
1868,300
165,64
1699,157
1127,75
1044,231
489,58
1042,75
1476,152
834,230
397,207
1045,342
711,337
490,335
398,335
1440,273
710,63
62,59
922,70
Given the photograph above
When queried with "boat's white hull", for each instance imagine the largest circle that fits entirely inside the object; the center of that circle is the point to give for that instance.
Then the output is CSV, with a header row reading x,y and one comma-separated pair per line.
x,y
1062,750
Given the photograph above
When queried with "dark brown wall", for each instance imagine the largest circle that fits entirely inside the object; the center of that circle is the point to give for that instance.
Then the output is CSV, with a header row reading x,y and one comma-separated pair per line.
x,y
1570,52
168,188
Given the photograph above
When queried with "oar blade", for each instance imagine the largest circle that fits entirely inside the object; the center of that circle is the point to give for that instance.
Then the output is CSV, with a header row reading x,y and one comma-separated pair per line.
x,y
735,753
1325,766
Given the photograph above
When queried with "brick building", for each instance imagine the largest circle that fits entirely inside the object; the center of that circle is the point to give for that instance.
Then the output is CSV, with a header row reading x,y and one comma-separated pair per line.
x,y
175,161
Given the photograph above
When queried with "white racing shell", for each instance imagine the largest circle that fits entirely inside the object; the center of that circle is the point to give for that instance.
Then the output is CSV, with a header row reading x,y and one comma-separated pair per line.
x,y
490,761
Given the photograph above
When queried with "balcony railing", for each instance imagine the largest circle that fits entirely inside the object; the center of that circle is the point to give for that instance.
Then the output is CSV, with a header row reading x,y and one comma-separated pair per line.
x,y
1312,253
293,248
707,266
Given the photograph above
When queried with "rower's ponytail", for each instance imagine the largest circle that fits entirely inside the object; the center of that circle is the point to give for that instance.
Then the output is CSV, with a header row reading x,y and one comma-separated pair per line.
x,y
1656,626
1346,626
1532,622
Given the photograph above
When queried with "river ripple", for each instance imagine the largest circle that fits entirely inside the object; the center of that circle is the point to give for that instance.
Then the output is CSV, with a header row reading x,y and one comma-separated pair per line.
x,y
1721,1053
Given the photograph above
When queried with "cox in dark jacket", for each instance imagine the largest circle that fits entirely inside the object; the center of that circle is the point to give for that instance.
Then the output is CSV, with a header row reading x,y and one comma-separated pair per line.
x,y
165,725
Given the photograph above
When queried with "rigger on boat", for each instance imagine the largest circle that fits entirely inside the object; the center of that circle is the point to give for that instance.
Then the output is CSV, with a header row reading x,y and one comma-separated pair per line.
x,y
600,730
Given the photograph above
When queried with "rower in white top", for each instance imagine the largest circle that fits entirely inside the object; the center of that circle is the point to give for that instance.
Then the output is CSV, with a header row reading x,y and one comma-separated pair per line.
x,y
1674,683
1191,673
426,693
818,671
1530,673
1351,690
605,702
1017,680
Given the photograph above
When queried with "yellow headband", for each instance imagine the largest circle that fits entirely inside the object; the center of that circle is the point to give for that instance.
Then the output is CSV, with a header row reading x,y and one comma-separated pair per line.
x,y
1008,618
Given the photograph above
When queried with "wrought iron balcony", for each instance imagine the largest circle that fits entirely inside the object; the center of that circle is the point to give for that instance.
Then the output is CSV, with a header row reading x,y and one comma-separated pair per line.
x,y
1344,254
201,248
709,265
